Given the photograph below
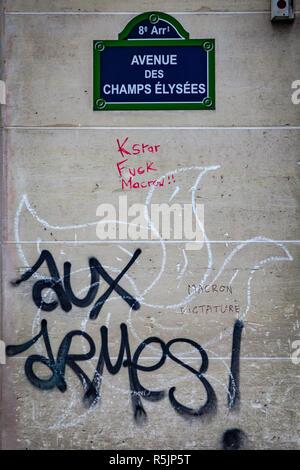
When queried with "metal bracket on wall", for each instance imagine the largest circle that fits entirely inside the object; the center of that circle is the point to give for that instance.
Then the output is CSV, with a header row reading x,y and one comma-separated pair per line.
x,y
2,353
282,10
2,92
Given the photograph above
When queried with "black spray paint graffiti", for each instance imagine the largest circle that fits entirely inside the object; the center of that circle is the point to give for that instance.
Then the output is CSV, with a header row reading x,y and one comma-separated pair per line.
x,y
233,395
92,387
234,439
64,290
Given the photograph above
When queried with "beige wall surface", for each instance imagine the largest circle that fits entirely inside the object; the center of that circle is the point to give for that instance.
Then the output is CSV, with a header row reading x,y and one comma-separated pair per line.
x,y
239,163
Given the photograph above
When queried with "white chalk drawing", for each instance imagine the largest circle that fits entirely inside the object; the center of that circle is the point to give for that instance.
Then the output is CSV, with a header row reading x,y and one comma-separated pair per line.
x,y
210,276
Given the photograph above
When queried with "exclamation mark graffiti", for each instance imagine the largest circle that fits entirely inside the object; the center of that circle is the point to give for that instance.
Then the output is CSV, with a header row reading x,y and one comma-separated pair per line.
x,y
234,438
171,180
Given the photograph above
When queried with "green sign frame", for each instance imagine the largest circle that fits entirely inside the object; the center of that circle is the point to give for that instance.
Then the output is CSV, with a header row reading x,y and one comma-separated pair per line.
x,y
99,46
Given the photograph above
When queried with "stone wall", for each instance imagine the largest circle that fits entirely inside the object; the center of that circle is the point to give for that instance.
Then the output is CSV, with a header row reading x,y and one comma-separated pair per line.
x,y
236,295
